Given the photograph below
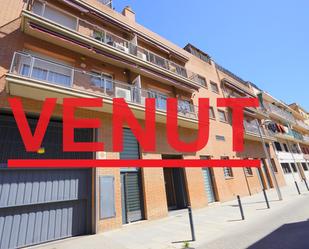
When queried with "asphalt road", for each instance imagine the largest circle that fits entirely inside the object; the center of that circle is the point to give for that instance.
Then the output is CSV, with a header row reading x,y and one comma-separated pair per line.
x,y
287,229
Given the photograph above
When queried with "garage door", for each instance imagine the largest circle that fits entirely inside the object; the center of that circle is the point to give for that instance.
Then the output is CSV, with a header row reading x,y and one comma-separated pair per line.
x,y
40,205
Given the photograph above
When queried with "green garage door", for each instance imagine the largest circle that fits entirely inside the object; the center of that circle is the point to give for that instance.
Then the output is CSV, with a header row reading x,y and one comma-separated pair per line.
x,y
131,188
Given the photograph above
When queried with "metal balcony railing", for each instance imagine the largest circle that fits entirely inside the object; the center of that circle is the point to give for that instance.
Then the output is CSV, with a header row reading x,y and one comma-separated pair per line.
x,y
280,112
253,127
103,36
47,71
297,135
306,138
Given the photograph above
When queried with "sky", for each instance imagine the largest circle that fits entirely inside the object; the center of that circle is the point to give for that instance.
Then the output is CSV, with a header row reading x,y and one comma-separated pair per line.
x,y
262,41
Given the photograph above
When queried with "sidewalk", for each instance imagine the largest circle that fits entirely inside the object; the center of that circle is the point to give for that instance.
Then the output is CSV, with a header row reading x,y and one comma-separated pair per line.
x,y
213,223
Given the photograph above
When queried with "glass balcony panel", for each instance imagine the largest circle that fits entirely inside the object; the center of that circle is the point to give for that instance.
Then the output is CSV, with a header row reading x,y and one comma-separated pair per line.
x,y
43,70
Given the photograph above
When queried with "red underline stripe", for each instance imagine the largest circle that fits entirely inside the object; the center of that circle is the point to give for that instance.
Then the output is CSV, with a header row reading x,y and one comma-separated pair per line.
x,y
116,163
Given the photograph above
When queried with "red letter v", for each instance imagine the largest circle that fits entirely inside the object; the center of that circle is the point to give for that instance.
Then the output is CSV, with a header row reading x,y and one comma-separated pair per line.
x,y
32,142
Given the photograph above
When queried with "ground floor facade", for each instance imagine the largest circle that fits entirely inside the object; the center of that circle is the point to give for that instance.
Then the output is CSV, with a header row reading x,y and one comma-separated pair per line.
x,y
41,205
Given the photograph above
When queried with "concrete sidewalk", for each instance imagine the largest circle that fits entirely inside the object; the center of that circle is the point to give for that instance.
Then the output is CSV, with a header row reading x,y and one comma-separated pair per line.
x,y
212,225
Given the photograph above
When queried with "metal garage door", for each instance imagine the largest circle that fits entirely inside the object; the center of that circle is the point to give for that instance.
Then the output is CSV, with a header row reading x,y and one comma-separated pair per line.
x,y
131,190
208,185
39,205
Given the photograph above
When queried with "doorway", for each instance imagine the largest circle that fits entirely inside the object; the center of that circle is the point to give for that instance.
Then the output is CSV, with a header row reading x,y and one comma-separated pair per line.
x,y
266,173
175,185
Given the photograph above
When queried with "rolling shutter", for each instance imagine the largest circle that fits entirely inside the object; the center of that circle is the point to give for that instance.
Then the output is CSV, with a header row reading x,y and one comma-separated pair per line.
x,y
131,181
40,205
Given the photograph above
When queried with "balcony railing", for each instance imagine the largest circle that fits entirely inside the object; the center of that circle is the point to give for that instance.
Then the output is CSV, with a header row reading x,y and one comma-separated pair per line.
x,y
280,112
306,138
103,36
47,71
253,127
302,124
297,135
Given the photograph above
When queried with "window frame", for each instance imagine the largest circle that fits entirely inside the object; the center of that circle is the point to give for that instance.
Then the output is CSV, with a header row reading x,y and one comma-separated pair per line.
x,y
248,171
225,116
216,86
102,75
278,146
212,111
227,171
286,168
203,79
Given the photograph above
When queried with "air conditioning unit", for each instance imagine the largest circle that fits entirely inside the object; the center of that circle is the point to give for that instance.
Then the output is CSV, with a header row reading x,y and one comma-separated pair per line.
x,y
123,93
141,55
121,47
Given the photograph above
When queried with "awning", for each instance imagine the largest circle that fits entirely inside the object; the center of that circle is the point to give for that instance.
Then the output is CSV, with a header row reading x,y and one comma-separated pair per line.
x,y
76,6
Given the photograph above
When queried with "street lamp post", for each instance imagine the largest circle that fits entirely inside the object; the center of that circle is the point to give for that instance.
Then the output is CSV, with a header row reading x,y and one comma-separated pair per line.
x,y
269,161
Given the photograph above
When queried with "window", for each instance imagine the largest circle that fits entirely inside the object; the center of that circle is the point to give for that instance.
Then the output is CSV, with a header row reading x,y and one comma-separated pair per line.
x,y
212,112
220,138
295,149
102,80
214,87
48,71
222,116
228,172
274,166
286,148
278,146
293,167
248,171
161,99
286,168
201,80
305,166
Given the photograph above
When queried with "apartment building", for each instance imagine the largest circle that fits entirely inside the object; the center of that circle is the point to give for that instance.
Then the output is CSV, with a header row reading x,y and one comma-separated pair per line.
x,y
83,48
288,127
255,135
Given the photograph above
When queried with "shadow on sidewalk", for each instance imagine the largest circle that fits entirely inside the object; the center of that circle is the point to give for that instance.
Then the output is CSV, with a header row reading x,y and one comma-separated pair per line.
x,y
251,203
291,236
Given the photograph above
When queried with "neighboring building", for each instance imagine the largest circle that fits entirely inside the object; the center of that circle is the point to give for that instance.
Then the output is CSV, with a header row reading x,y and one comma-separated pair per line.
x,y
76,48
256,179
288,127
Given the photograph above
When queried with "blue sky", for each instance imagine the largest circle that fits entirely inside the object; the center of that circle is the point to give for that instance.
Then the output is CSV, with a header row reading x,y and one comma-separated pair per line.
x,y
265,42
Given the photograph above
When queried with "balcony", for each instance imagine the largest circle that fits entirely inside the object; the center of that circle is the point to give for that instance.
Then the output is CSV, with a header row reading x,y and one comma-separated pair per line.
x,y
306,138
297,135
282,114
37,78
252,131
291,135
44,20
302,125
